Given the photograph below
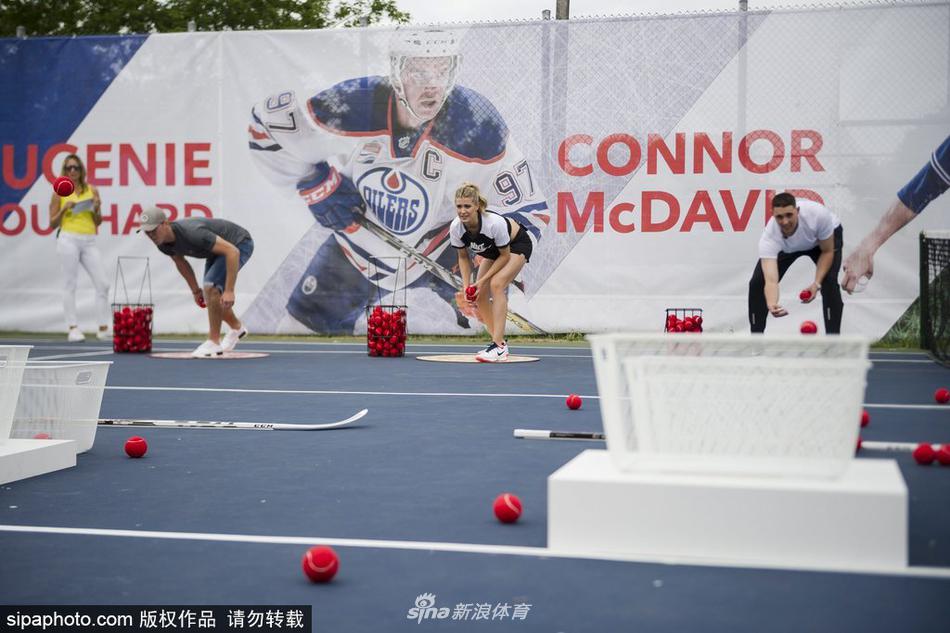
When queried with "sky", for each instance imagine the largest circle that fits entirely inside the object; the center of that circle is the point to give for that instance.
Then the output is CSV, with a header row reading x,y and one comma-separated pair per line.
x,y
439,11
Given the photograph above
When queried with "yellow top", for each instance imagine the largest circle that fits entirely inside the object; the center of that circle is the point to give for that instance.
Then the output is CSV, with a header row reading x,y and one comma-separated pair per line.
x,y
79,219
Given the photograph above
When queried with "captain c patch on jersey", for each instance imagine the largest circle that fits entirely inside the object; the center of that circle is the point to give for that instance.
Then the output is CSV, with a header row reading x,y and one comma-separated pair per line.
x,y
399,202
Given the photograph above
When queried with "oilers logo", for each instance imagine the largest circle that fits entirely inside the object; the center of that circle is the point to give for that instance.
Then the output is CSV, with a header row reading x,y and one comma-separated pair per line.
x,y
399,202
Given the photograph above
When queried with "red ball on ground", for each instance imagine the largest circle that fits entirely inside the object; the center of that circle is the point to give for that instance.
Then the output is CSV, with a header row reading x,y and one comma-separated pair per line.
x,y
41,436
320,563
865,418
943,455
809,327
805,294
507,507
942,396
924,454
63,186
136,446
574,401
858,447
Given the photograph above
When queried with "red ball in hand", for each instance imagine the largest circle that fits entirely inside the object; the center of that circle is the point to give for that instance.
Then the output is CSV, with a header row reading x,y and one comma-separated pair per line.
x,y
805,294
471,292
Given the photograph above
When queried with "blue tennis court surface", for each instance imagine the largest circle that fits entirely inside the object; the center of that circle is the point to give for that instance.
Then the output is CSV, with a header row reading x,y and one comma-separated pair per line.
x,y
404,496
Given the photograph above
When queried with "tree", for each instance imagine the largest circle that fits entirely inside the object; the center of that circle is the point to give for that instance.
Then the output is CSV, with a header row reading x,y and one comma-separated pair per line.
x,y
92,17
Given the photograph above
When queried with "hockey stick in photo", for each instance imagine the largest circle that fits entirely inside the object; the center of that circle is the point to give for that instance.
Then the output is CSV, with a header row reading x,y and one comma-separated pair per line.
x,y
252,426
541,434
437,269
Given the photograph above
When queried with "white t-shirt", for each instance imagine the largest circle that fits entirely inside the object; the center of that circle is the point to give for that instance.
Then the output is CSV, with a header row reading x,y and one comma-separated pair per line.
x,y
816,222
493,233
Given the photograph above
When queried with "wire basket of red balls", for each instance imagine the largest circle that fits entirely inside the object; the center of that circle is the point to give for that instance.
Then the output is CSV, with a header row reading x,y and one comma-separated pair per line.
x,y
132,327
386,330
684,320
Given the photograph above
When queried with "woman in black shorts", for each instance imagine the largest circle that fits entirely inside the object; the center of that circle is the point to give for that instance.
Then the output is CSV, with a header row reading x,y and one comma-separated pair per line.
x,y
504,247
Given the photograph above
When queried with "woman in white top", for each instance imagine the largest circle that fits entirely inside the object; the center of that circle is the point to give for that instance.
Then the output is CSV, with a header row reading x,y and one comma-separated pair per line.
x,y
504,247
78,218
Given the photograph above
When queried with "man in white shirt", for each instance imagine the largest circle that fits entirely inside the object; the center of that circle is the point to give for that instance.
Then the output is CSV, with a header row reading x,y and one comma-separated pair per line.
x,y
796,229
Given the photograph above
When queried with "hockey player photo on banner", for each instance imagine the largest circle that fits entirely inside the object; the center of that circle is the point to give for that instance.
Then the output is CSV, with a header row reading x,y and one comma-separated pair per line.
x,y
390,150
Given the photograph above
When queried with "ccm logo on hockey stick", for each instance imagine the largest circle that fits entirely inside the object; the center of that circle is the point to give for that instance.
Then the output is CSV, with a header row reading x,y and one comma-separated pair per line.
x,y
322,191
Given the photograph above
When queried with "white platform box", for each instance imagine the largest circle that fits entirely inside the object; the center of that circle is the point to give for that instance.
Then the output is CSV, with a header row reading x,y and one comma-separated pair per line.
x,y
20,459
855,522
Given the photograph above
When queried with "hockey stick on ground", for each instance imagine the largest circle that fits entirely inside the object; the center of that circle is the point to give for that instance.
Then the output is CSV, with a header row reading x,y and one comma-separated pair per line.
x,y
437,269
539,434
253,426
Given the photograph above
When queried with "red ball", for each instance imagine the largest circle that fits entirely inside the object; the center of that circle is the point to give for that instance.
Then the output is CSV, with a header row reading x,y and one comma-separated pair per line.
x,y
924,454
63,186
574,402
943,455
865,418
320,563
471,292
860,443
809,327
136,446
42,436
507,507
942,395
805,294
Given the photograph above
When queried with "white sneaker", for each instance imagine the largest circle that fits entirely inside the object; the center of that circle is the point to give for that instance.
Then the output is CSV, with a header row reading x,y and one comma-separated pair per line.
x,y
103,335
493,354
231,339
208,349
75,335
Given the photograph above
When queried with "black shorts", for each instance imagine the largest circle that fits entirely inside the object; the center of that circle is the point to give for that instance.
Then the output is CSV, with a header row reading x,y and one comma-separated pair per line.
x,y
521,245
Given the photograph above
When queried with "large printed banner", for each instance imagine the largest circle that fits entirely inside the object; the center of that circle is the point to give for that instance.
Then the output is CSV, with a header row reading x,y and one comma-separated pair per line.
x,y
640,155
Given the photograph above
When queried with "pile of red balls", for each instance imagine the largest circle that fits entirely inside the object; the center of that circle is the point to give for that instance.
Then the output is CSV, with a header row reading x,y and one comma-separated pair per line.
x,y
132,328
692,323
386,331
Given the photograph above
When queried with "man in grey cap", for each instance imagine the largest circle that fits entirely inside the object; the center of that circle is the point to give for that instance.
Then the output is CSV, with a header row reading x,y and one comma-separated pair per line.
x,y
225,247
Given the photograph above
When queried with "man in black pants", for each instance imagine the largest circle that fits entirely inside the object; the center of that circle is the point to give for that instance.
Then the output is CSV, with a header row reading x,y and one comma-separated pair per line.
x,y
797,228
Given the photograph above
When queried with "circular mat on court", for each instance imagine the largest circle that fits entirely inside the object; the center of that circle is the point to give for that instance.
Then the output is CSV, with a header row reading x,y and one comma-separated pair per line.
x,y
470,358
224,356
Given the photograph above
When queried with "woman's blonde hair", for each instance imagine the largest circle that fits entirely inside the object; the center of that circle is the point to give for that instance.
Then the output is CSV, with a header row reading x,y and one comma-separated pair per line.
x,y
470,191
81,179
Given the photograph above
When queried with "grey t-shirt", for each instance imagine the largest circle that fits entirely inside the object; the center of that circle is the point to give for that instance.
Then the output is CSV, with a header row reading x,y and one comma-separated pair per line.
x,y
195,237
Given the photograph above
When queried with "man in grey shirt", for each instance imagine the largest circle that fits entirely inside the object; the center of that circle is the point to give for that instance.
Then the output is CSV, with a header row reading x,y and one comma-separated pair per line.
x,y
225,247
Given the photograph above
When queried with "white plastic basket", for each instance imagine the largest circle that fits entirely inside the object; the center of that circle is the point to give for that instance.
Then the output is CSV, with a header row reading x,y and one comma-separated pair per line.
x,y
62,400
731,404
12,361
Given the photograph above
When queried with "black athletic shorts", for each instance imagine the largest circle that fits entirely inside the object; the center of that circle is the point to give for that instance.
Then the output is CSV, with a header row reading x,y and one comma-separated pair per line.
x,y
521,244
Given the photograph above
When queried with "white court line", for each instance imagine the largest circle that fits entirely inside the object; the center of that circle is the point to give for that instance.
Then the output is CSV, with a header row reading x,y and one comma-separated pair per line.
x,y
463,548
438,394
874,354
329,392
436,349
